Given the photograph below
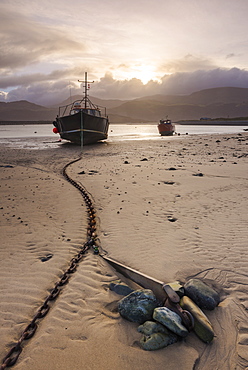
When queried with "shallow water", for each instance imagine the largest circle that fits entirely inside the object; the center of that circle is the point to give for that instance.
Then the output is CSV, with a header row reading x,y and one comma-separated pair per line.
x,y
146,132
42,137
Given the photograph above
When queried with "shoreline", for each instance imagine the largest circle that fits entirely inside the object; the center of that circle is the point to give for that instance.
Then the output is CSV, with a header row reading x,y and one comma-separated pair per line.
x,y
12,123
137,187
215,122
212,122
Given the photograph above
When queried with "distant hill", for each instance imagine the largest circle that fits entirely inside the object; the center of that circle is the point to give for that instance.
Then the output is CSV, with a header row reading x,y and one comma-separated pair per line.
x,y
110,103
204,97
23,110
217,102
213,103
219,95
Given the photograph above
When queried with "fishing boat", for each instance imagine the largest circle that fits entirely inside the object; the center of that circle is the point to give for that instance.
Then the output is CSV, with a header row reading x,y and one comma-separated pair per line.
x,y
82,122
166,127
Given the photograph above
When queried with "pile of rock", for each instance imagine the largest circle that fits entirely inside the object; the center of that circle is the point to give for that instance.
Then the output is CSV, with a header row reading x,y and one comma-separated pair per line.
x,y
160,325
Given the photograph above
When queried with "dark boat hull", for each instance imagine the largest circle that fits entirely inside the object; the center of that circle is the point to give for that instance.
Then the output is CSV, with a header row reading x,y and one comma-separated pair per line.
x,y
82,128
166,129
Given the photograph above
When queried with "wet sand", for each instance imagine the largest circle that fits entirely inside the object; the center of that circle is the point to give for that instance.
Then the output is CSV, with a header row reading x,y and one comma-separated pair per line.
x,y
172,209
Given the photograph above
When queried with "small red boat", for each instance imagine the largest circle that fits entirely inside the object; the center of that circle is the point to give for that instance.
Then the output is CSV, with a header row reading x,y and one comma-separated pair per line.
x,y
166,127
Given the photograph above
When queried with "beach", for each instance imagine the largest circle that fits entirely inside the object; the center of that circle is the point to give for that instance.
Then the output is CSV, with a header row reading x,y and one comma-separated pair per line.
x,y
172,209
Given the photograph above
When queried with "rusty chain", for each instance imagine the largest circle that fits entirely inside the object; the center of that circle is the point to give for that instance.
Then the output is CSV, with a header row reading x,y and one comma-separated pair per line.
x,y
15,351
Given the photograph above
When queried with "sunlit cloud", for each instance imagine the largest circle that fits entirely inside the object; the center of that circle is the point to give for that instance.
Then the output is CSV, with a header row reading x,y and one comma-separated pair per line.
x,y
58,86
176,83
3,95
137,70
188,82
130,49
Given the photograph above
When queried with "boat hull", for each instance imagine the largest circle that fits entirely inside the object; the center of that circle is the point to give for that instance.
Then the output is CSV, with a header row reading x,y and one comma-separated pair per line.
x,y
82,128
166,129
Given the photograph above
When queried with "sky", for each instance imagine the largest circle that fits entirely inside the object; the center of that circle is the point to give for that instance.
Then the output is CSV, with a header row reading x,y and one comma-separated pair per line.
x,y
129,48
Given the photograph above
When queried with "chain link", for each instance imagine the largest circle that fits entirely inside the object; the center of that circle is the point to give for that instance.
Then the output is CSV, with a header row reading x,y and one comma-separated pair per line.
x,y
13,354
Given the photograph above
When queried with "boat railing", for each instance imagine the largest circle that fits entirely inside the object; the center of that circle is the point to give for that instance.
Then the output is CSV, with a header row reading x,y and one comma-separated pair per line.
x,y
84,103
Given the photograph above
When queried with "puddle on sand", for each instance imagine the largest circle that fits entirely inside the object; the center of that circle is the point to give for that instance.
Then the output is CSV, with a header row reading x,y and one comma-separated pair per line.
x,y
30,143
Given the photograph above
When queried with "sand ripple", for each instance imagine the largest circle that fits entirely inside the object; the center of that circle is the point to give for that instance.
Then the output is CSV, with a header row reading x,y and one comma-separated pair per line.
x,y
172,209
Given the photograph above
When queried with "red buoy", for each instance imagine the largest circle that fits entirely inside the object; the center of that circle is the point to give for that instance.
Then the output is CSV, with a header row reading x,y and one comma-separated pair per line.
x,y
55,130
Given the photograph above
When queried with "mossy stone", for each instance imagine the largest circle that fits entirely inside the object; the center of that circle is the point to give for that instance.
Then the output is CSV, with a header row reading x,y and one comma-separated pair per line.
x,y
157,341
138,306
203,295
170,320
151,327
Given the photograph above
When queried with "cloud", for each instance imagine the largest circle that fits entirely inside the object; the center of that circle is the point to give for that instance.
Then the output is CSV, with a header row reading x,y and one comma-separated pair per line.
x,y
44,45
188,82
25,42
3,95
13,80
176,83
46,93
52,89
188,63
43,93
110,87
231,55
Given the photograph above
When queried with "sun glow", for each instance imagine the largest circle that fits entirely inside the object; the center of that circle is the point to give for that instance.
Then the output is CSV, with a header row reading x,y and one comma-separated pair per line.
x,y
142,72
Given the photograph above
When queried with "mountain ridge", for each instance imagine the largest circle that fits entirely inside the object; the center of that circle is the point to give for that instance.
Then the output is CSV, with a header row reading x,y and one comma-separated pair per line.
x,y
215,102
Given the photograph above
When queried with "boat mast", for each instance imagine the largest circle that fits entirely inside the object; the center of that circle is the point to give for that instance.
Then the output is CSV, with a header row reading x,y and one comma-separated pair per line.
x,y
86,88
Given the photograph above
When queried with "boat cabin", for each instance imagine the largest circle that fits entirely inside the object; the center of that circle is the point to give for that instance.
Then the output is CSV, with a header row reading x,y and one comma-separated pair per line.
x,y
77,107
165,121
